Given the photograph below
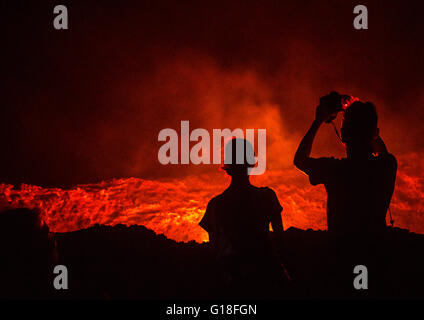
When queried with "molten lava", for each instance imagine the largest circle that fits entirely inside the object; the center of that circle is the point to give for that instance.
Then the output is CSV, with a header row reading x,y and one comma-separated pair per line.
x,y
175,207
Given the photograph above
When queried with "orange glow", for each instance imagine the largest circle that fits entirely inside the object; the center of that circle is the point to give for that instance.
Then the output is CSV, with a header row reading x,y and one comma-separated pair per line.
x,y
174,207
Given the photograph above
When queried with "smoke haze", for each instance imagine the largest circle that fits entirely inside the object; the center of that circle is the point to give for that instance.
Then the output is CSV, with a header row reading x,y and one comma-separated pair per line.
x,y
85,105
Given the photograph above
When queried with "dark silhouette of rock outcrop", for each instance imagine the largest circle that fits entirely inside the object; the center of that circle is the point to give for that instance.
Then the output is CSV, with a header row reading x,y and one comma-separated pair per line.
x,y
133,262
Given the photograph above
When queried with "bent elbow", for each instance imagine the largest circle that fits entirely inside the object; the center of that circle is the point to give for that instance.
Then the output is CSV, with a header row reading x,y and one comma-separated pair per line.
x,y
301,163
298,163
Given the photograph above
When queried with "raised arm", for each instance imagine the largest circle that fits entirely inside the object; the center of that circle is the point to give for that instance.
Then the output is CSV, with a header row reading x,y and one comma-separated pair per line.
x,y
303,152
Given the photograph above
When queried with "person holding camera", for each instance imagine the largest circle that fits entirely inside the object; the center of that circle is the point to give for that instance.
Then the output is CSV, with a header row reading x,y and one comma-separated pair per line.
x,y
359,187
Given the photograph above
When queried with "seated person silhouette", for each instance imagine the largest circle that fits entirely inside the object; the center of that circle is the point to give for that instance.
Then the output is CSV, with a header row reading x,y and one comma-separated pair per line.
x,y
238,225
359,189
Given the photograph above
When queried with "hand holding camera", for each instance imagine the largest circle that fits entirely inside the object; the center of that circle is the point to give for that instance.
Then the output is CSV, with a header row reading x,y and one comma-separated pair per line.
x,y
330,105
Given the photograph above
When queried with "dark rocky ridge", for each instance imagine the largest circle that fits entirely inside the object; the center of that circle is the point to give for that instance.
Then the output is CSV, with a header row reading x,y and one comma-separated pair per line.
x,y
133,262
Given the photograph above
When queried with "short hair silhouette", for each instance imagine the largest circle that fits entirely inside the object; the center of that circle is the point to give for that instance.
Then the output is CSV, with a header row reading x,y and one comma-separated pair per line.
x,y
239,155
360,122
237,221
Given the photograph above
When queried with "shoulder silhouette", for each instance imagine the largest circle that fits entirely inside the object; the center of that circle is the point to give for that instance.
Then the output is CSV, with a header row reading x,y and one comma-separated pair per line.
x,y
238,223
360,186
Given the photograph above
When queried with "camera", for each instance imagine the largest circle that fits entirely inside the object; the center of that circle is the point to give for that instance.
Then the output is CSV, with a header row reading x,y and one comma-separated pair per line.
x,y
335,102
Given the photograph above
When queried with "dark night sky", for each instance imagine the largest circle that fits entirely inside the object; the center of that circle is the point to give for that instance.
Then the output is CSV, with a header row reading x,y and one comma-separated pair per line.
x,y
86,104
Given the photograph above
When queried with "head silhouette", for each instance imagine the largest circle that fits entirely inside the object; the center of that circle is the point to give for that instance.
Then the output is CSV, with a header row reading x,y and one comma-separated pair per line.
x,y
359,124
239,156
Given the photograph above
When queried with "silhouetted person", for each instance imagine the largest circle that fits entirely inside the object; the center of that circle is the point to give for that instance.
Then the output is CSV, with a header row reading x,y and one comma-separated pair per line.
x,y
238,225
360,186
27,254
